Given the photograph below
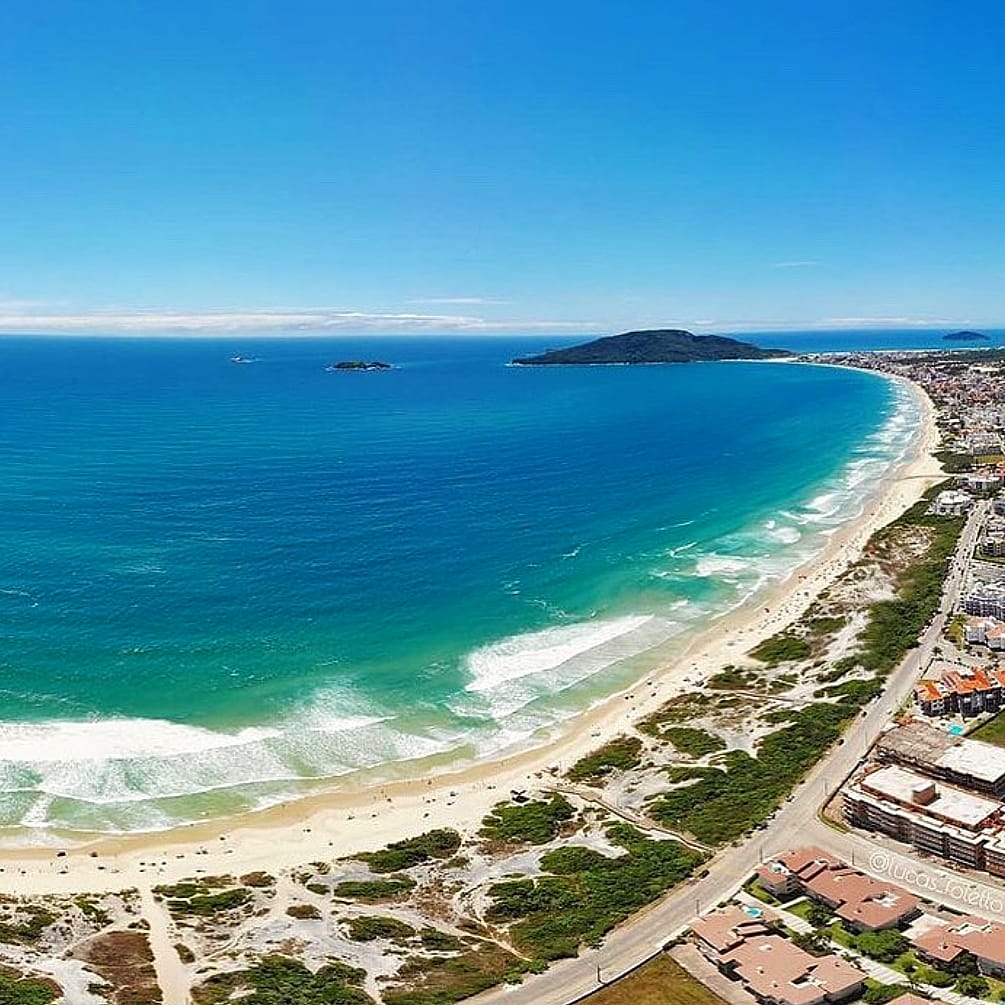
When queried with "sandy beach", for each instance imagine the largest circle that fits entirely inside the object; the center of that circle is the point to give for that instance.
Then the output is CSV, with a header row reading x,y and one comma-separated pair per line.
x,y
334,824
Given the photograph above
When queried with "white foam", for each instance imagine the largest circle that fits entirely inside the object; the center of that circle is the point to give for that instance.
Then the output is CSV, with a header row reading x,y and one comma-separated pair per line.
x,y
713,565
536,652
105,739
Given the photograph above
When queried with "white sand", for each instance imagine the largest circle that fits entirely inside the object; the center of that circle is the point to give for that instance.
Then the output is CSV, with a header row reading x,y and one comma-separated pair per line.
x,y
339,823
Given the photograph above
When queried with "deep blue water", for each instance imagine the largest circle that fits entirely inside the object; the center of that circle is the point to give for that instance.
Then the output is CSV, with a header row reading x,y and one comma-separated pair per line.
x,y
216,579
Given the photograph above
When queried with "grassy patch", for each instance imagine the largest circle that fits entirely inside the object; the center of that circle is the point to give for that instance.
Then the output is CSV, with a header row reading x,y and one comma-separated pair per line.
x,y
782,648
992,731
731,679
17,989
377,926
442,980
206,905
534,822
371,891
693,742
415,851
279,980
659,982
35,921
725,804
585,894
621,754
895,625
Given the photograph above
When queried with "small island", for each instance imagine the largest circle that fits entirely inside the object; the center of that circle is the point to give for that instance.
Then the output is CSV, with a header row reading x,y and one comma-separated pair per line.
x,y
660,345
357,364
965,336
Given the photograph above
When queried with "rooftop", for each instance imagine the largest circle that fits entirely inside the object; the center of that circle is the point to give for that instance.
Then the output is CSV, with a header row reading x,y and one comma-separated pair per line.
x,y
954,806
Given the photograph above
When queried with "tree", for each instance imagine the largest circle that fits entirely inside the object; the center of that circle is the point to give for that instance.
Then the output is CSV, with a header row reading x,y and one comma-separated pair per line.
x,y
971,984
818,915
883,946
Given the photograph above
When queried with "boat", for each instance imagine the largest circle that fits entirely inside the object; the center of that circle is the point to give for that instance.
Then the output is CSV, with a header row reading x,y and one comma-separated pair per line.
x,y
242,359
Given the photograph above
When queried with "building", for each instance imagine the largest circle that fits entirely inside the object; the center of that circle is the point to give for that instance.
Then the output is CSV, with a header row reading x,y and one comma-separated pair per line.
x,y
861,902
993,545
964,690
986,600
952,502
936,819
970,764
771,968
969,936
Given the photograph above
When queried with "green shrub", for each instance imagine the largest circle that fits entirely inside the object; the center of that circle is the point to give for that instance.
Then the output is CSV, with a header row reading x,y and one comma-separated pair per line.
x,y
17,989
534,822
373,890
205,905
375,926
415,851
693,742
621,754
782,648
584,894
279,980
725,804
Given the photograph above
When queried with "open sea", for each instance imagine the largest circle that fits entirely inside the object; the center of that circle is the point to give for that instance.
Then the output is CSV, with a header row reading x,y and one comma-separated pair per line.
x,y
221,585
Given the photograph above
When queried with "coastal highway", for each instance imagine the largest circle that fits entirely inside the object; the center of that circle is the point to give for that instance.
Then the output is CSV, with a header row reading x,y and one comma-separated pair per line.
x,y
795,823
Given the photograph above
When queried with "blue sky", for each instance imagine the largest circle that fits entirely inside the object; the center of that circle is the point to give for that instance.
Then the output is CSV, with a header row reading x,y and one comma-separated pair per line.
x,y
500,165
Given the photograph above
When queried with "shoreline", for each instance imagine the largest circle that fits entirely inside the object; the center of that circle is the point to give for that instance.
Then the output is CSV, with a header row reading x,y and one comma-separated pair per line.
x,y
334,823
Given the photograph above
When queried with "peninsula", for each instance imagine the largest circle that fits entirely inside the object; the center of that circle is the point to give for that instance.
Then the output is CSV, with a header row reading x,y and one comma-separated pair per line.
x,y
658,345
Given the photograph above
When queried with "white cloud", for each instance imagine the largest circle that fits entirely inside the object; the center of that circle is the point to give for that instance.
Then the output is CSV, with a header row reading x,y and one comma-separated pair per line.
x,y
137,322
455,300
798,263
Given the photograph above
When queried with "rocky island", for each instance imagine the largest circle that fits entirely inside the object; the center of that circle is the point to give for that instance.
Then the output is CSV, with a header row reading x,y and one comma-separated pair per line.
x,y
357,364
660,345
965,336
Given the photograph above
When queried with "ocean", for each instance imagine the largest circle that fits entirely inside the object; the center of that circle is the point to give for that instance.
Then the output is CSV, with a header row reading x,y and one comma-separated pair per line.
x,y
224,585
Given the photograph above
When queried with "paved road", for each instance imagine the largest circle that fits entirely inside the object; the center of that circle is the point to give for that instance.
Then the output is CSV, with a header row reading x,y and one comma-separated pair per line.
x,y
796,823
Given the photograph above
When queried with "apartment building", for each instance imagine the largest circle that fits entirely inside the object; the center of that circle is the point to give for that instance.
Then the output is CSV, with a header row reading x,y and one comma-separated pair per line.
x,y
936,819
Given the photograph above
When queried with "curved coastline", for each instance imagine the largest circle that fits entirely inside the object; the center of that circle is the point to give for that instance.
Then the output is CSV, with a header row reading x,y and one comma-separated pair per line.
x,y
369,815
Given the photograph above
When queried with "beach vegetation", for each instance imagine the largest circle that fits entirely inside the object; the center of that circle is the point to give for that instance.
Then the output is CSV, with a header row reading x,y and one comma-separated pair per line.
x,y
29,925
435,844
18,989
693,742
583,894
443,980
732,679
303,912
369,927
536,822
435,941
374,890
258,880
208,904
725,803
620,754
895,625
785,647
279,980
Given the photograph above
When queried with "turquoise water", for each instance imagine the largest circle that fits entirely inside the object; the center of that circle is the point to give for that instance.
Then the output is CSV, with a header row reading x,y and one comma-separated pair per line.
x,y
218,581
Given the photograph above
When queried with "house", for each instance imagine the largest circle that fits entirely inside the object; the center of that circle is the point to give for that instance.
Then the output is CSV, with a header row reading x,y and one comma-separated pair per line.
x,y
977,937
863,903
771,968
